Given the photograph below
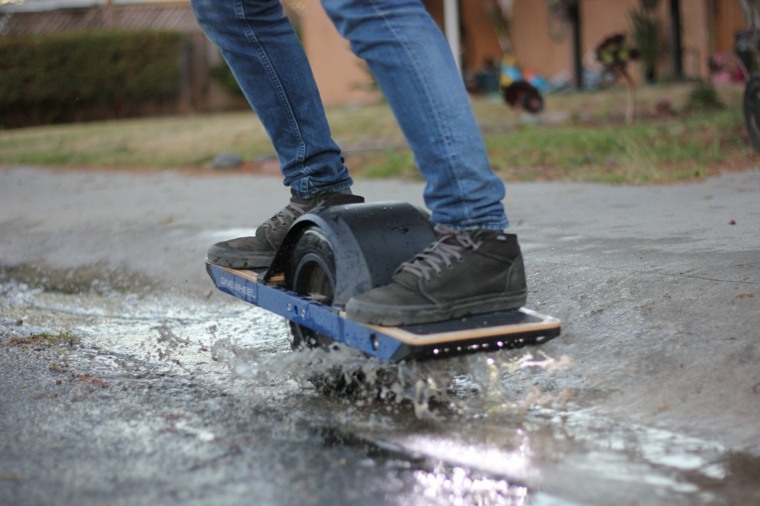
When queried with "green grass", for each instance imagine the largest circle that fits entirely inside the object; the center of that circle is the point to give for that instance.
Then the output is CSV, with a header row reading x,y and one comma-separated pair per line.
x,y
581,137
66,338
651,152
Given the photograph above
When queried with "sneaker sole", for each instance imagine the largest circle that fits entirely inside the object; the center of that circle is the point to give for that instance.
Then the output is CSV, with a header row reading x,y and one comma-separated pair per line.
x,y
258,261
410,315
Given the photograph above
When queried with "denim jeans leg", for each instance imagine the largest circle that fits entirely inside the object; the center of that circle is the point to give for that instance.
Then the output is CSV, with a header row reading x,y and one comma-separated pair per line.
x,y
414,67
266,57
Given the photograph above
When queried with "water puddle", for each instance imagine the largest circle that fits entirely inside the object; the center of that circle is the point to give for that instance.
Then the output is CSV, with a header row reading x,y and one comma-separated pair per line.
x,y
482,429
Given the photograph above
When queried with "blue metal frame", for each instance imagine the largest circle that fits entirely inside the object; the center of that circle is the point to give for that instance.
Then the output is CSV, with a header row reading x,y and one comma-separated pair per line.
x,y
373,341
304,311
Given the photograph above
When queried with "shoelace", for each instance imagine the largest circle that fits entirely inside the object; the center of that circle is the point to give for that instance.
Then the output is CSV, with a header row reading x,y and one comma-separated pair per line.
x,y
441,254
286,217
289,213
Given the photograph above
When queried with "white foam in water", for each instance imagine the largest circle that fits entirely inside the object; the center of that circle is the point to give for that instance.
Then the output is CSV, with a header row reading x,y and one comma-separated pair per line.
x,y
491,411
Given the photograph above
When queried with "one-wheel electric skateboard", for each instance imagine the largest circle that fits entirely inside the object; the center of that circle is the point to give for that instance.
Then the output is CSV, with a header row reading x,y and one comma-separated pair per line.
x,y
333,253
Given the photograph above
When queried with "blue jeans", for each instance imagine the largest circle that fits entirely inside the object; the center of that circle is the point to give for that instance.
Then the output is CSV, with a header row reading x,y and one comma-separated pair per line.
x,y
413,66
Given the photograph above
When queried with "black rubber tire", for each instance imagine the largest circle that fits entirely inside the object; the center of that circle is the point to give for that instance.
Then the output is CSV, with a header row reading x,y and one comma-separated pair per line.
x,y
751,106
311,271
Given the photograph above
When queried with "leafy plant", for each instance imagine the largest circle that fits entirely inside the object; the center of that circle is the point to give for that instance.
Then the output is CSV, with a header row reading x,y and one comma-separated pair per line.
x,y
646,34
53,78
614,53
222,74
703,97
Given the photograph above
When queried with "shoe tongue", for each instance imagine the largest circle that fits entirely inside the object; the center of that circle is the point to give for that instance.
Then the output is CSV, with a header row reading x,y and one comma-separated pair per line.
x,y
300,205
406,279
262,231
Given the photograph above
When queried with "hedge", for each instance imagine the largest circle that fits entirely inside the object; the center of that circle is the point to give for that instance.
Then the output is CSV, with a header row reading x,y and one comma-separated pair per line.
x,y
54,78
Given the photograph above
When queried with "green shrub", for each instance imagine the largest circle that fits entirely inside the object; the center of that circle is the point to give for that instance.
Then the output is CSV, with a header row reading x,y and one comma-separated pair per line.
x,y
52,78
223,75
703,97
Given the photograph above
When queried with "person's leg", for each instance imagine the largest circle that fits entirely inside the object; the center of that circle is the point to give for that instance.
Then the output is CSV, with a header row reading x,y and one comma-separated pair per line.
x,y
473,267
268,62
414,67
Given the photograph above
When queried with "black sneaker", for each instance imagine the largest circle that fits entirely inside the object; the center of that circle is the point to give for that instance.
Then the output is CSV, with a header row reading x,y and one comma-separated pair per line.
x,y
258,251
462,273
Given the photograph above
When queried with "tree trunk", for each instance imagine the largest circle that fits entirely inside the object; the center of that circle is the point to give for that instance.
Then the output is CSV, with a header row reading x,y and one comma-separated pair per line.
x,y
630,109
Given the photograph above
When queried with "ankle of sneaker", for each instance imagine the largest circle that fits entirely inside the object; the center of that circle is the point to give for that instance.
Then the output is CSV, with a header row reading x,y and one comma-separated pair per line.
x,y
298,201
294,196
441,228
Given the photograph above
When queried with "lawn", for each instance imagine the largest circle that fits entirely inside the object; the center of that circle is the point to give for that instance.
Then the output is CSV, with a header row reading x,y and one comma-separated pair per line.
x,y
578,137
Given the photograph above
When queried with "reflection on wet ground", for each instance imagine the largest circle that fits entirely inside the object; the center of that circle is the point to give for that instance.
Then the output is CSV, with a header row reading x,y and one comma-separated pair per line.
x,y
209,392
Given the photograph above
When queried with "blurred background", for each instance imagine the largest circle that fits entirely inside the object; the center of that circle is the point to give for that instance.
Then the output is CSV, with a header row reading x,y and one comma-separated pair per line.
x,y
72,60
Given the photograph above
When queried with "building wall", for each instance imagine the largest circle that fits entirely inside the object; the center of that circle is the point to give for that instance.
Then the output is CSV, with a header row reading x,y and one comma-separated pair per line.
x,y
696,40
544,43
479,42
728,19
342,78
541,43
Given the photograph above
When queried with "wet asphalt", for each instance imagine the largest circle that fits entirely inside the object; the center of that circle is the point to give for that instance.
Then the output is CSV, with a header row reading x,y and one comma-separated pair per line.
x,y
168,392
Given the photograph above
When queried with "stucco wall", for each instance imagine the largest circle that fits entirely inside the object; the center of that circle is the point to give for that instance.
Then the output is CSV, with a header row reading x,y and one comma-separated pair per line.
x,y
339,74
541,43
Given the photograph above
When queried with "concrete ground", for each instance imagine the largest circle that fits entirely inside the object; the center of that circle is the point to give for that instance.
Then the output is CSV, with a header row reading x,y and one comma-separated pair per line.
x,y
658,287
